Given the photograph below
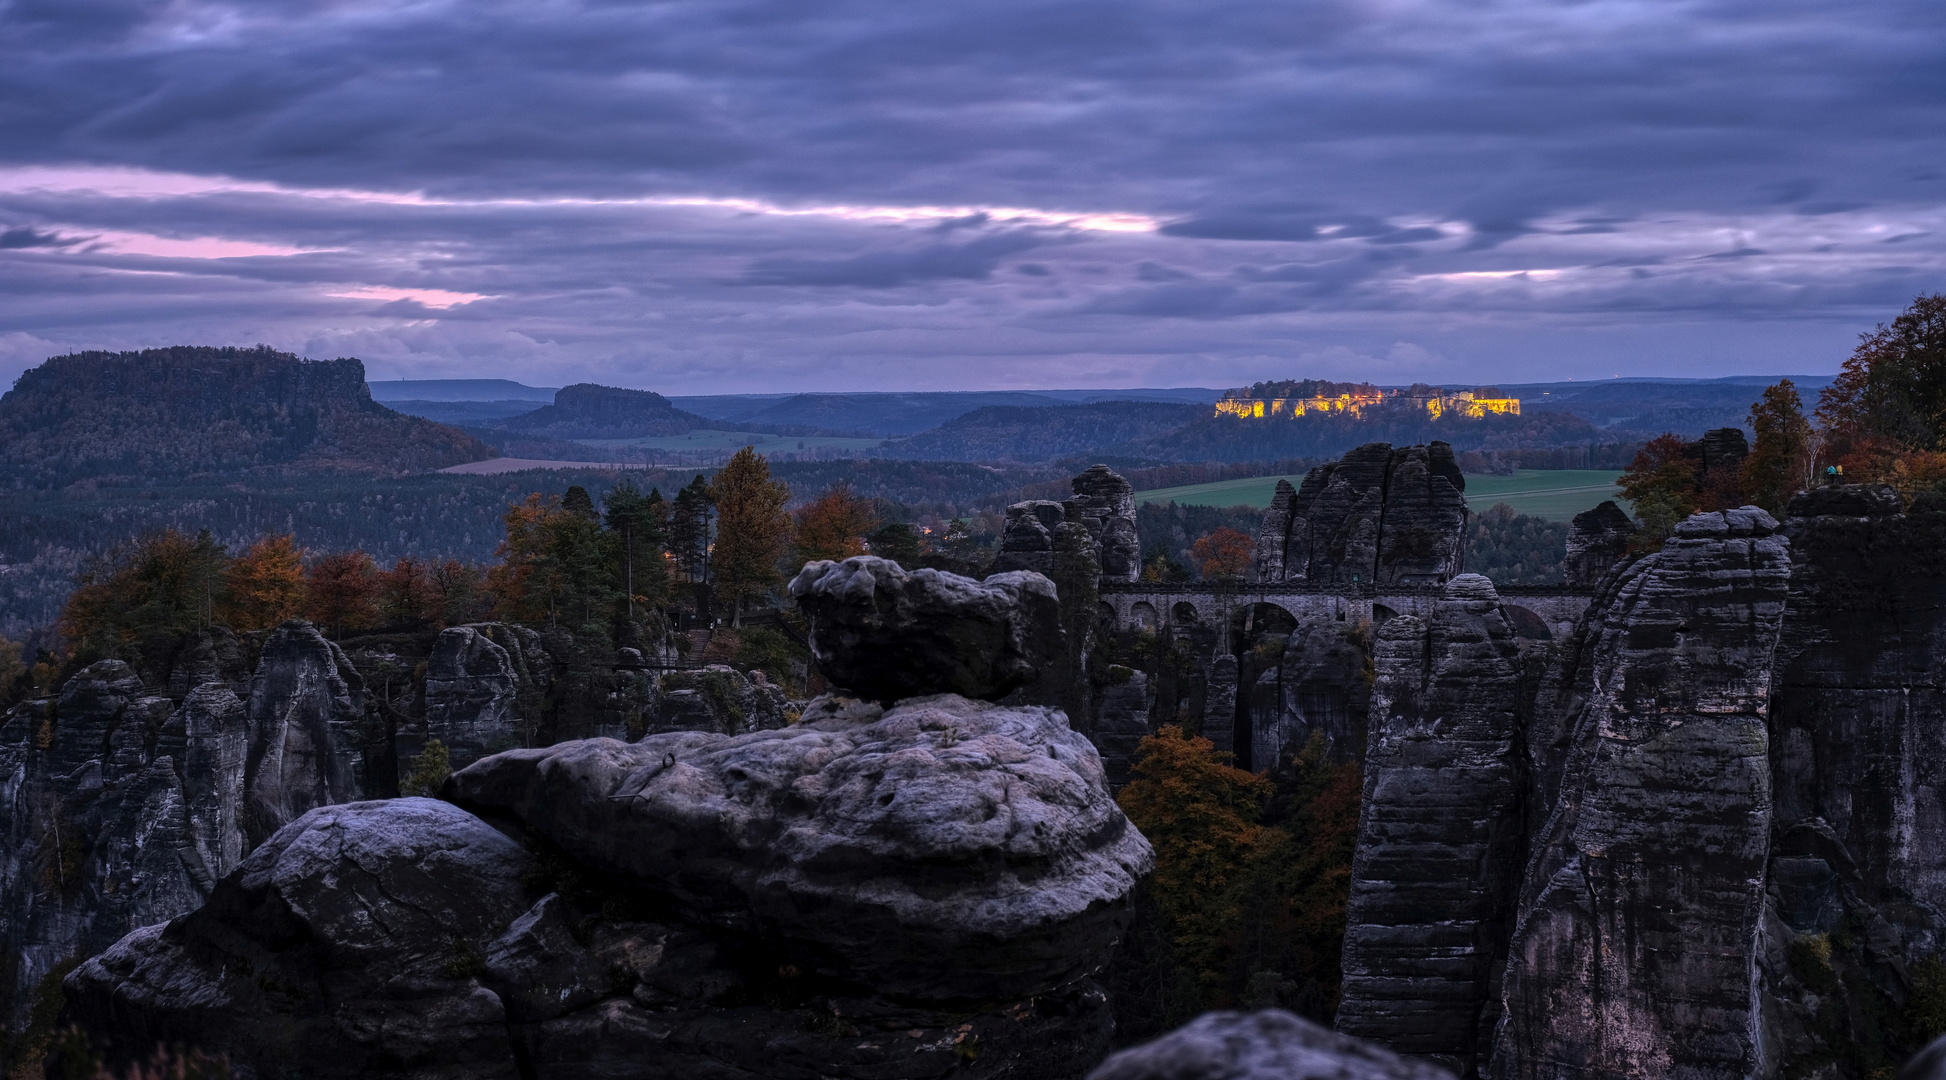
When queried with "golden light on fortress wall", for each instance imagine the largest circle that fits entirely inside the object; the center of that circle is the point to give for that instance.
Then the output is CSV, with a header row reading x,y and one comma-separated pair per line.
x,y
1462,403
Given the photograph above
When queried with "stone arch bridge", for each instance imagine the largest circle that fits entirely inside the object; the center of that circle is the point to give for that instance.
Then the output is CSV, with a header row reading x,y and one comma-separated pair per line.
x,y
1541,611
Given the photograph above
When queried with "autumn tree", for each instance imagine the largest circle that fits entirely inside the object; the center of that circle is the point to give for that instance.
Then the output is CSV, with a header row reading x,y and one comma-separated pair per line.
x,y
1203,818
1664,483
834,525
1224,553
1779,463
554,562
459,593
139,599
405,594
340,590
1889,399
752,529
264,586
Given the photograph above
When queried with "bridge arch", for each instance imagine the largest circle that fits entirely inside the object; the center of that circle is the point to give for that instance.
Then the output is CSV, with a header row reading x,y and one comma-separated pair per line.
x,y
1143,615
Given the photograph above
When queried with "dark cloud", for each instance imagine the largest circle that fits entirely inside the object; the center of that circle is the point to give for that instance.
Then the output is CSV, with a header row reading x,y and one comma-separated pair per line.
x,y
973,261
1330,179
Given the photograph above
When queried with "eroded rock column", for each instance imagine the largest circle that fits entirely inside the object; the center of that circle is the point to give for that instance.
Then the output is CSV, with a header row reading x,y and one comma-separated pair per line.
x,y
1636,949
1440,834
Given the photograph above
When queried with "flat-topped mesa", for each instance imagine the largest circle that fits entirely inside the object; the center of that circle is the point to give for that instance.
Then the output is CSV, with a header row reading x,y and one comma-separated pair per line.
x,y
885,634
1440,834
1638,931
1378,515
1597,540
1103,501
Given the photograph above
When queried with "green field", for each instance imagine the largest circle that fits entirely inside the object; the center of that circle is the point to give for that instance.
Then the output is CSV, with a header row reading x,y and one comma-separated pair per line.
x,y
711,439
1554,494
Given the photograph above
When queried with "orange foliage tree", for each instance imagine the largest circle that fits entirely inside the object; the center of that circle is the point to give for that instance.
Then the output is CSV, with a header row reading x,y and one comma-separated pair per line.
x,y
406,596
1889,400
1203,818
156,586
264,586
342,590
834,525
1252,871
1224,553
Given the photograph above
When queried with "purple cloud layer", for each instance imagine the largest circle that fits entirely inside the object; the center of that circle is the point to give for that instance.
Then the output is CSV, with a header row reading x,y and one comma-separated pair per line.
x,y
723,196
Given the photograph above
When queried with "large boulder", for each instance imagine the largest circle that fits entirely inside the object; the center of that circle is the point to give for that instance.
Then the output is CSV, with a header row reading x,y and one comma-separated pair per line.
x,y
886,634
945,848
347,945
1267,1045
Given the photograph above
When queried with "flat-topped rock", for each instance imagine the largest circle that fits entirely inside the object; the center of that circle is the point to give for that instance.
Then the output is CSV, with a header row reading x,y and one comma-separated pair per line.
x,y
885,633
943,848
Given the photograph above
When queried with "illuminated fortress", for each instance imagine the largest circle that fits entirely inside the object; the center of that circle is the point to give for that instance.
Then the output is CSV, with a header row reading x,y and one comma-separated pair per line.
x,y
1439,403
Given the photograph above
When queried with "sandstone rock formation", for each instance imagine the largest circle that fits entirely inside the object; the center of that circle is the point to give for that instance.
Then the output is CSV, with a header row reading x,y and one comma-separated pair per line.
x,y
1267,1045
1857,865
721,700
887,893
1597,540
887,634
1376,515
1440,833
472,695
117,810
309,745
1321,685
1103,502
798,835
1637,937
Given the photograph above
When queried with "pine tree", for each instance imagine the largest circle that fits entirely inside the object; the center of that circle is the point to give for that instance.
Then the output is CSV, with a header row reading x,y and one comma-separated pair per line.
x,y
638,520
752,529
689,529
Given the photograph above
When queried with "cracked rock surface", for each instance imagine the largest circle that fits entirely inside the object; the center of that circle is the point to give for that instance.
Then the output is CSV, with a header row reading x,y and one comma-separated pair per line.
x,y
884,633
1267,1045
945,848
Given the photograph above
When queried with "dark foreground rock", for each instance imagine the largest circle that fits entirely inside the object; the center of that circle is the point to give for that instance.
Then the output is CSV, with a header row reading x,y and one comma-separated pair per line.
x,y
1267,1045
945,848
885,633
875,894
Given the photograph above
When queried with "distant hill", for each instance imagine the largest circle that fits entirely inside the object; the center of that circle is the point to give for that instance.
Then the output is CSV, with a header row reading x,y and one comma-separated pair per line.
x,y
187,411
588,411
395,390
1009,433
906,413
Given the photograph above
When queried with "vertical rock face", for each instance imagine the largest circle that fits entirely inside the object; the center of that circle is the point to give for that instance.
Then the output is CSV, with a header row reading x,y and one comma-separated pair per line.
x,y
1378,514
1027,543
308,743
1320,686
1858,752
1636,947
1597,540
1440,835
116,811
1724,448
719,699
1424,521
472,695
1220,703
1121,721
1106,504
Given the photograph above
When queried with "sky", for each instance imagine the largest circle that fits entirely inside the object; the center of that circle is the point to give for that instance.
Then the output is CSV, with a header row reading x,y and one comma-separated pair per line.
x,y
742,196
